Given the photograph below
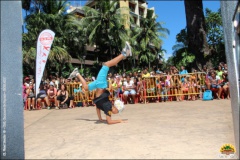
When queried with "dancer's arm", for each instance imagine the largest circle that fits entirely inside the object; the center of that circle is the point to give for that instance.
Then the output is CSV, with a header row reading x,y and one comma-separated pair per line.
x,y
110,121
99,114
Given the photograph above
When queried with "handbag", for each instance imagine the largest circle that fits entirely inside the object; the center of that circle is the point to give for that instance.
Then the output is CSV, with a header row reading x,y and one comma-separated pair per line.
x,y
207,95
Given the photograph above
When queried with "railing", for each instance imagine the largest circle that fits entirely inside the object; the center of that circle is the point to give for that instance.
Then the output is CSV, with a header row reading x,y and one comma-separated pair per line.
x,y
172,87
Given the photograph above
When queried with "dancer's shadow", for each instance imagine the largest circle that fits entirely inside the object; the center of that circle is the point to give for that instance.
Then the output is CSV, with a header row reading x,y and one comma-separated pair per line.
x,y
96,121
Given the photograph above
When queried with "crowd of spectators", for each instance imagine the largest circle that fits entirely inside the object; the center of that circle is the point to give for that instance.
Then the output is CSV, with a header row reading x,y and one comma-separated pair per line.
x,y
129,85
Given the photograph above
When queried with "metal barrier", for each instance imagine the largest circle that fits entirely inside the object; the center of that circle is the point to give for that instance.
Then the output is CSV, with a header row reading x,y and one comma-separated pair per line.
x,y
163,87
177,86
86,97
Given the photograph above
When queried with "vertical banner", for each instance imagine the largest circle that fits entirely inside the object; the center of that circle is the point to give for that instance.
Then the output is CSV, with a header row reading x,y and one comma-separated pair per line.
x,y
45,40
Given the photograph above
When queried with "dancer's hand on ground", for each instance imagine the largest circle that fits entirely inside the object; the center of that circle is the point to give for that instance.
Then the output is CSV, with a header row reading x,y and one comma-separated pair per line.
x,y
124,121
102,120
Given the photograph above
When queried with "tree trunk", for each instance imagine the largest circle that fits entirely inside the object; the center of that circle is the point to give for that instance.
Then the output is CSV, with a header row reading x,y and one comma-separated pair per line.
x,y
196,30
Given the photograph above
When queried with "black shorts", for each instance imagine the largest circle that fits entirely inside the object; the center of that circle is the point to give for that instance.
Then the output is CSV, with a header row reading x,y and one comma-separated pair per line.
x,y
102,102
61,98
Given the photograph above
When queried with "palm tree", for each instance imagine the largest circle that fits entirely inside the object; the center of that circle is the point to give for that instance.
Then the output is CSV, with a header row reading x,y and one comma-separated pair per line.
x,y
196,31
103,26
57,23
54,6
26,5
59,56
146,38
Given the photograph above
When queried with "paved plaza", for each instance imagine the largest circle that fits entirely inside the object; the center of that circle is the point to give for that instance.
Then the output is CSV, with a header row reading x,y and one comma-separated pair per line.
x,y
170,130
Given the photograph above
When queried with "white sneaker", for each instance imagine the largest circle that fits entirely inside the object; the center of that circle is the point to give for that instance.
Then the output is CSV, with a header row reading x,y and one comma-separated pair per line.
x,y
127,50
73,74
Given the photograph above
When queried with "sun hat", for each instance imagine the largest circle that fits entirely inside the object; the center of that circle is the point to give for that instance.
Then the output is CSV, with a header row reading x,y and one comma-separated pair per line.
x,y
119,105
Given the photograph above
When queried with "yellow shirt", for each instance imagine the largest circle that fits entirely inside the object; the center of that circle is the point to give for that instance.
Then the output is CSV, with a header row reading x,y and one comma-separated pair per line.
x,y
146,75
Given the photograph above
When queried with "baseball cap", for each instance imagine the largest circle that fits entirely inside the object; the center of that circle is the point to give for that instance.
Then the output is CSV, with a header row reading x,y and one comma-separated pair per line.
x,y
27,78
119,105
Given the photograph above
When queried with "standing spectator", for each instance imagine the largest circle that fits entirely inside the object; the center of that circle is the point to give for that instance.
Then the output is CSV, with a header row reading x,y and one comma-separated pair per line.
x,y
183,71
145,73
129,89
24,93
31,97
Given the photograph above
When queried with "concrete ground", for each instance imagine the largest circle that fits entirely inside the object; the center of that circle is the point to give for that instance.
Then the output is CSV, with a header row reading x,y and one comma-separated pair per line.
x,y
170,130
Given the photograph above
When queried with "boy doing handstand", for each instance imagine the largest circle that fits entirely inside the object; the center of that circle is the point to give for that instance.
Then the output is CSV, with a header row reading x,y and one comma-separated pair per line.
x,y
100,84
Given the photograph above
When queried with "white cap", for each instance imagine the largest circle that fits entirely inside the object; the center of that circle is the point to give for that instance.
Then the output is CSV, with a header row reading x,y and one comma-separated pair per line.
x,y
51,84
119,105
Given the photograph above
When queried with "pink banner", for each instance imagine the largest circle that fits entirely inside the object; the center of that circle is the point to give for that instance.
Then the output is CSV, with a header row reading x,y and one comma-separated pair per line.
x,y
45,40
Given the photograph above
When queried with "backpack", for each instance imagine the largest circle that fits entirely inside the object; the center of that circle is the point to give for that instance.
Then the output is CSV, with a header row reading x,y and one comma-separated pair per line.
x,y
207,95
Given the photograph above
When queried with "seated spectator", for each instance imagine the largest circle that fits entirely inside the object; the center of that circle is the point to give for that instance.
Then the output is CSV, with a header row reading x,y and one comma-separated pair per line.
x,y
219,72
185,87
163,87
225,68
27,81
63,98
221,64
52,94
129,89
215,84
117,87
42,95
176,85
140,89
31,97
225,85
192,88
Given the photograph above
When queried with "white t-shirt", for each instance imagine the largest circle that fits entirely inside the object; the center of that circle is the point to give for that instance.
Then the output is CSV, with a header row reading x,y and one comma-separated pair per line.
x,y
128,85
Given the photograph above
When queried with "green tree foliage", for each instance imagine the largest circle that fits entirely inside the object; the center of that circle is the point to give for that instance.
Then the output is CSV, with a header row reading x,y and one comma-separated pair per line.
x,y
181,55
55,21
215,37
104,27
146,39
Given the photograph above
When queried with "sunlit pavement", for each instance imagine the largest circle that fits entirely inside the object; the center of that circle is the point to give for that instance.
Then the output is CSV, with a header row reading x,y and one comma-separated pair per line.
x,y
183,130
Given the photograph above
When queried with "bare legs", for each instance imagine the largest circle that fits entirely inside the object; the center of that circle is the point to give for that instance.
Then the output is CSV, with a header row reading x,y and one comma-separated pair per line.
x,y
110,63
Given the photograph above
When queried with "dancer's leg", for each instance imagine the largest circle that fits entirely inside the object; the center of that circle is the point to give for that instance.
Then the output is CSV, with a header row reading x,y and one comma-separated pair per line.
x,y
101,78
114,61
82,80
